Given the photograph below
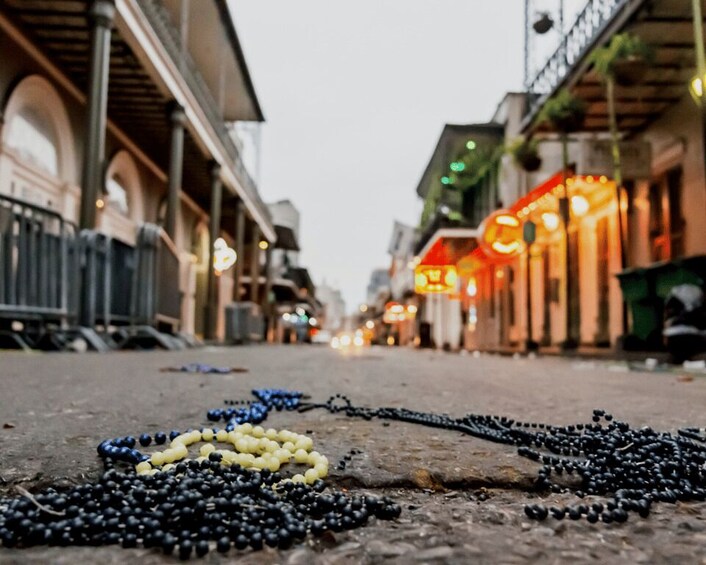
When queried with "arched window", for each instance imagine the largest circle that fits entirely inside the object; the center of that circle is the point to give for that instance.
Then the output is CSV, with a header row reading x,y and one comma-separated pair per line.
x,y
37,128
116,195
123,187
33,139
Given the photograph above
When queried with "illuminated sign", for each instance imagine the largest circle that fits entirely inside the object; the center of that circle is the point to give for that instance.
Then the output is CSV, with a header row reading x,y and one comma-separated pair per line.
x,y
435,279
501,235
396,312
224,257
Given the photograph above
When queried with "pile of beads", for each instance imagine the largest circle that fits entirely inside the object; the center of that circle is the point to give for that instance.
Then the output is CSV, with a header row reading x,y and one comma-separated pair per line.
x,y
254,448
630,469
124,449
192,509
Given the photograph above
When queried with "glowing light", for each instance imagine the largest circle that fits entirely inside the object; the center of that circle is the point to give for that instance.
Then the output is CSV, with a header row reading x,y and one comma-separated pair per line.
x,y
263,245
100,204
335,343
499,274
550,220
450,277
420,280
457,166
224,257
363,308
390,340
470,145
313,321
603,179
370,324
412,309
472,288
300,311
435,279
501,235
579,205
397,308
345,340
589,179
697,87
506,248
508,220
445,180
472,316
286,317
358,341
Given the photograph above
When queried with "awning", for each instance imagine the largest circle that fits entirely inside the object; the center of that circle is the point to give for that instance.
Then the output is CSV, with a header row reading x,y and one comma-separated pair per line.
x,y
536,193
285,291
286,239
448,245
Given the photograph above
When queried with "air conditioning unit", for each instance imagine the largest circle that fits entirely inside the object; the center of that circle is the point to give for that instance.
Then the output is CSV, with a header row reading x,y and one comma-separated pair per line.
x,y
244,322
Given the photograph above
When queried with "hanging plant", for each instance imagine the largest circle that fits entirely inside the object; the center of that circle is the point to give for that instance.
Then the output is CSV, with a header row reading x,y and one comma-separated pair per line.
x,y
543,24
525,153
626,59
564,112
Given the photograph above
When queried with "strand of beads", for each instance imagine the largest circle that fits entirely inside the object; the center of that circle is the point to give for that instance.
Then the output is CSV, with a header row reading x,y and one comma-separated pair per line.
x,y
124,449
253,448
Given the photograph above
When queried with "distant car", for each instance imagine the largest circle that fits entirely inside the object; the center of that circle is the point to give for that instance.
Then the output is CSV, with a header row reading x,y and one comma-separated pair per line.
x,y
322,336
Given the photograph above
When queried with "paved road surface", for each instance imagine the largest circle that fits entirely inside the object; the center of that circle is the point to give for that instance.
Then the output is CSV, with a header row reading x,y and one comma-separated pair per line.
x,y
462,497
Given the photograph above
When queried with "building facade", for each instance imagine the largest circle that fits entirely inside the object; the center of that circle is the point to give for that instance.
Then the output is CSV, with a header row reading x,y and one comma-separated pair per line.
x,y
553,243
115,118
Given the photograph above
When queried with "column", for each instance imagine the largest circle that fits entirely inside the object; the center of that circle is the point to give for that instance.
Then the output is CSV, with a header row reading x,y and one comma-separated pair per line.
x,y
100,17
211,313
255,265
239,248
177,118
267,305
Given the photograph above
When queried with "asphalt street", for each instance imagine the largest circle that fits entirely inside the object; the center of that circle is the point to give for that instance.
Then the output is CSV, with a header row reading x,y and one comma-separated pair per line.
x,y
462,497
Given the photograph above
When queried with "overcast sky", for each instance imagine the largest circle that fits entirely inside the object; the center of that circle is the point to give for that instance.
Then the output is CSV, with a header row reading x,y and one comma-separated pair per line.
x,y
355,95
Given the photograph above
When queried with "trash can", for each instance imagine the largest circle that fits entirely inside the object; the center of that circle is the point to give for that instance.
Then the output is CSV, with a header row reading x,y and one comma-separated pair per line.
x,y
645,290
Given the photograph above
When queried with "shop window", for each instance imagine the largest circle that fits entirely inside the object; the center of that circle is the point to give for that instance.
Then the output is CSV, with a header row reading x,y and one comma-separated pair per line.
x,y
116,195
33,139
666,220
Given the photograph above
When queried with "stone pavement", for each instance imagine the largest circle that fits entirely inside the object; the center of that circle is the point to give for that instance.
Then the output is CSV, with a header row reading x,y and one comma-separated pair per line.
x,y
462,497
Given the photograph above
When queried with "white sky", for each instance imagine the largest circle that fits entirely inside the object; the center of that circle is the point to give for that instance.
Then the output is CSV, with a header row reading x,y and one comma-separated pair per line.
x,y
355,95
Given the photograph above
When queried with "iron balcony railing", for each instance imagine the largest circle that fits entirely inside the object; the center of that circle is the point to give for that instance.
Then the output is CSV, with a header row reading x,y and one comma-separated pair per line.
x,y
590,22
161,22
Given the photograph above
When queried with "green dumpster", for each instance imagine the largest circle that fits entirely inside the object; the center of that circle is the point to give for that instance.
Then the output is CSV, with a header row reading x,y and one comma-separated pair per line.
x,y
644,290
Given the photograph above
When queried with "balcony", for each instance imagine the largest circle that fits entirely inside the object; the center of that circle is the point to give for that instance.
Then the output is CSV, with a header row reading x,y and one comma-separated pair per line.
x,y
161,21
590,25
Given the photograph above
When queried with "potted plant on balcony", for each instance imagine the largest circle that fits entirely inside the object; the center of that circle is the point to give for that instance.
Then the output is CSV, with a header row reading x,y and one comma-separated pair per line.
x,y
626,59
564,112
525,154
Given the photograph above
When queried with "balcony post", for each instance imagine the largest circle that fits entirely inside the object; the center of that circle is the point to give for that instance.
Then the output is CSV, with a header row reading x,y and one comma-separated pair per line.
x,y
100,16
239,248
255,265
211,313
177,118
268,305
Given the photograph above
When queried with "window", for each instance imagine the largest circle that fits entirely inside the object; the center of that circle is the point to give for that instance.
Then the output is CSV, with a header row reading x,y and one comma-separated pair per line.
x,y
116,195
32,138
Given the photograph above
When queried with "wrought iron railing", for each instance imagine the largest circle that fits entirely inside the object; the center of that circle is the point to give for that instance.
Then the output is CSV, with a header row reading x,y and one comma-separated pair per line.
x,y
590,22
37,263
164,27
